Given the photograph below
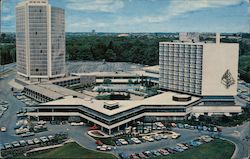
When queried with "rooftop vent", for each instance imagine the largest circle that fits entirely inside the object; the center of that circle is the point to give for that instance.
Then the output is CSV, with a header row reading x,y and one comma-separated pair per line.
x,y
111,105
181,98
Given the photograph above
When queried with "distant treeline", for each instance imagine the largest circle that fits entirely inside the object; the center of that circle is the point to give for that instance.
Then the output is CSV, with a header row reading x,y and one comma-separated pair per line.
x,y
143,49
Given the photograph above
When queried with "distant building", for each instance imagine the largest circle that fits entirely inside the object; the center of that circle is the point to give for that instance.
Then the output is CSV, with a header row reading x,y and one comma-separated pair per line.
x,y
207,69
123,35
40,41
93,32
189,37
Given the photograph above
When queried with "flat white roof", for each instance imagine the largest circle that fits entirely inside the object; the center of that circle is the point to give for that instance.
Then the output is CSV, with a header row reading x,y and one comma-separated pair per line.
x,y
97,105
53,91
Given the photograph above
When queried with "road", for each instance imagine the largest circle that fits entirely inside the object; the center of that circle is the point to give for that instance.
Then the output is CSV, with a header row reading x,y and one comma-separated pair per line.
x,y
240,136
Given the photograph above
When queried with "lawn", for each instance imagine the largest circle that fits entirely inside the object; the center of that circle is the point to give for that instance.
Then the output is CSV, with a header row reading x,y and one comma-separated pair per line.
x,y
70,150
217,149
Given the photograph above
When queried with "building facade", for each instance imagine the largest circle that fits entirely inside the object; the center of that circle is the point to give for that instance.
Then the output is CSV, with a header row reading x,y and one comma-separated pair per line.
x,y
204,69
40,41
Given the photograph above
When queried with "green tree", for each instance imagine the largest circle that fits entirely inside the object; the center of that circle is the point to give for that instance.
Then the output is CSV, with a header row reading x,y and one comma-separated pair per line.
x,y
110,55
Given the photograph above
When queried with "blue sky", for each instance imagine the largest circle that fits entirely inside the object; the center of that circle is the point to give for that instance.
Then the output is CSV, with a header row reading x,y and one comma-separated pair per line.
x,y
146,15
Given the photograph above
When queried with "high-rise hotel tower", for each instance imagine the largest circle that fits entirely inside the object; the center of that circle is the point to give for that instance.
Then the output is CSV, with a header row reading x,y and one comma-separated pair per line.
x,y
40,41
204,69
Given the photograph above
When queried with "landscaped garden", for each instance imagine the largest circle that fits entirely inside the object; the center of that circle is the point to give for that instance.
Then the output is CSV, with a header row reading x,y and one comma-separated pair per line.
x,y
113,96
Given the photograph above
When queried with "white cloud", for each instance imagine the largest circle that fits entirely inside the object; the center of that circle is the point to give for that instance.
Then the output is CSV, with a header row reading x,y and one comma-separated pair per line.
x,y
8,17
77,25
95,5
176,8
181,7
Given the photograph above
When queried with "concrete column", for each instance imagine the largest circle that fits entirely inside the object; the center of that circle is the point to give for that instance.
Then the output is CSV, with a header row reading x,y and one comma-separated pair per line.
x,y
52,118
101,128
118,128
109,131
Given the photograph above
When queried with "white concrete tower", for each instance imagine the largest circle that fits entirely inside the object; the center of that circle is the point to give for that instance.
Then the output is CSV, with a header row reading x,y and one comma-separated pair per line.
x,y
40,41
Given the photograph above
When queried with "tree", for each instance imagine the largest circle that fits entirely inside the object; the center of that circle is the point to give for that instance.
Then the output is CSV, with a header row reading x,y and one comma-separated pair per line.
x,y
130,82
107,81
110,55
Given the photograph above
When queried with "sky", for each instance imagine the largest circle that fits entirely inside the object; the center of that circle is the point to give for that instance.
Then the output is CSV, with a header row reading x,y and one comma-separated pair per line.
x,y
146,15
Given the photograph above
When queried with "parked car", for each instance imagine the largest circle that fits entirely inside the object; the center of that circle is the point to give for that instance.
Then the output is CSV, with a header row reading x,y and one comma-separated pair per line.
x,y
44,139
148,138
178,149
118,143
15,144
204,128
186,126
163,152
136,140
51,137
170,150
182,146
103,148
173,125
123,141
22,143
148,154
179,125
193,143
175,136
124,156
1,146
134,156
36,141
156,153
130,141
27,134
199,127
30,142
142,156
3,129
8,146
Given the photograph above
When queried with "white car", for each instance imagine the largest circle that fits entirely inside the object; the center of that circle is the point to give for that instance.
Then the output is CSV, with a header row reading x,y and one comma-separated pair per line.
x,y
36,140
175,136
41,122
159,124
182,146
76,124
148,138
123,141
103,148
136,140
3,129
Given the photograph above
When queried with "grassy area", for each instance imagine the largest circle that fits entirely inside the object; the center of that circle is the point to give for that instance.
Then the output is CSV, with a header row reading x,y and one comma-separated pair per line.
x,y
217,149
70,150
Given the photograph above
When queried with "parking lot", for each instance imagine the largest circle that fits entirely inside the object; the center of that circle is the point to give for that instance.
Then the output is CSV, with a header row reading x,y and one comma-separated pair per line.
x,y
79,133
